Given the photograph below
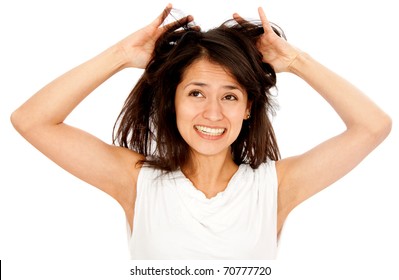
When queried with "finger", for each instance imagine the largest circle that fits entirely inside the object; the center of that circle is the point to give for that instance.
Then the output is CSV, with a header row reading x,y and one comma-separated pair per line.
x,y
160,19
238,18
179,23
265,22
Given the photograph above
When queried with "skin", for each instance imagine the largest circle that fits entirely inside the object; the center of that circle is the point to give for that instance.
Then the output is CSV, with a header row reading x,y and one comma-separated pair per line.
x,y
210,97
113,169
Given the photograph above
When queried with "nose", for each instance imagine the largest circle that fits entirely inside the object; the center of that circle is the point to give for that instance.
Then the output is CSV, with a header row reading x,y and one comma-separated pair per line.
x,y
213,110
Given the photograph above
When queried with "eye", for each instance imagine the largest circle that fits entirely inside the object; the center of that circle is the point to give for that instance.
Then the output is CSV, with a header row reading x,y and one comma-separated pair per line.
x,y
230,97
195,93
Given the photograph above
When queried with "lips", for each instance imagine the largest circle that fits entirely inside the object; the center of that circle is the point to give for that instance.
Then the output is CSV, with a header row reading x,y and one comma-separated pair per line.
x,y
210,130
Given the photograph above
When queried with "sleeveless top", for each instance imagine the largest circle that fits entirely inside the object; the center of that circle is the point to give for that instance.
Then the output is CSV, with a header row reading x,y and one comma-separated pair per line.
x,y
174,220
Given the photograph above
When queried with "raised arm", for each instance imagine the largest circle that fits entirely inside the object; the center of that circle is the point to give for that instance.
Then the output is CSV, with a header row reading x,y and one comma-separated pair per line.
x,y
367,125
41,118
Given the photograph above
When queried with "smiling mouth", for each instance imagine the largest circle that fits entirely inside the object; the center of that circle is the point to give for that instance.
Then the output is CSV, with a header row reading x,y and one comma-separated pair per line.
x,y
210,131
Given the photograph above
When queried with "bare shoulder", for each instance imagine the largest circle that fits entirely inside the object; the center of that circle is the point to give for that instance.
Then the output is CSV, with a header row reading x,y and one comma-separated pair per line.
x,y
286,191
126,192
129,168
289,190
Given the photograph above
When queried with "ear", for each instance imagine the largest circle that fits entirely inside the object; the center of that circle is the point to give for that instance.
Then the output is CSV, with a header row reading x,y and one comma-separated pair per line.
x,y
248,110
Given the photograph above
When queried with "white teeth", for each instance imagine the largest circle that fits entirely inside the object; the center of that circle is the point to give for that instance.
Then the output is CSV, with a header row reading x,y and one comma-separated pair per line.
x,y
210,131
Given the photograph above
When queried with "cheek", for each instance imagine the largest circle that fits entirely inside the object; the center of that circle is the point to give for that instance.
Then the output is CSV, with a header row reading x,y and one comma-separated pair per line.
x,y
184,117
237,115
187,110
236,122
183,113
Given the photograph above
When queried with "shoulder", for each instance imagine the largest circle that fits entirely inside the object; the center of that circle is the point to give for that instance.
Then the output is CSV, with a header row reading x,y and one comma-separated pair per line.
x,y
131,162
264,174
265,168
126,175
151,177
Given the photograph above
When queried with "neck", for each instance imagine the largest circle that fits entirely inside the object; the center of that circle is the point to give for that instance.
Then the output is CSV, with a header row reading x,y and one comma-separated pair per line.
x,y
210,174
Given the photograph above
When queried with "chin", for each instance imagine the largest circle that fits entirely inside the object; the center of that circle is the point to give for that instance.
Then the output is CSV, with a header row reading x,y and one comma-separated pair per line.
x,y
210,151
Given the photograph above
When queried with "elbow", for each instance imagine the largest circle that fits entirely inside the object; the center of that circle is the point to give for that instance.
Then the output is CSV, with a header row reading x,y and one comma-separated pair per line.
x,y
30,122
388,125
14,118
374,130
20,121
382,128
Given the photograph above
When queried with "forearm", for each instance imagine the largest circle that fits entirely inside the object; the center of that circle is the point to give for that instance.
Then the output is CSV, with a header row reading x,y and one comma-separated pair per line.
x,y
355,109
53,103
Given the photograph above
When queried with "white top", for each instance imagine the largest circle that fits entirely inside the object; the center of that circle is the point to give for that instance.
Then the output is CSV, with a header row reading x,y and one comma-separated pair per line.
x,y
174,220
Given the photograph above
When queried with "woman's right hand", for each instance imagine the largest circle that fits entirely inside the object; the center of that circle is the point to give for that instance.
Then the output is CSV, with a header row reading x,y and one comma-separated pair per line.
x,y
138,47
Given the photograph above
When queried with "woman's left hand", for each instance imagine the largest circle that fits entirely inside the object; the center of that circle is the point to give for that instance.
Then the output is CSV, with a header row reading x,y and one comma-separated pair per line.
x,y
275,50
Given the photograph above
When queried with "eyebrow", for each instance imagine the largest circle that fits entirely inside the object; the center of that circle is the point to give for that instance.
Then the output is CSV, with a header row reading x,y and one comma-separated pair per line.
x,y
229,87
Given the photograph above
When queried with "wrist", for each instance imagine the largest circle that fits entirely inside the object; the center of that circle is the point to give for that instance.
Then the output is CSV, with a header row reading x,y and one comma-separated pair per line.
x,y
299,63
117,58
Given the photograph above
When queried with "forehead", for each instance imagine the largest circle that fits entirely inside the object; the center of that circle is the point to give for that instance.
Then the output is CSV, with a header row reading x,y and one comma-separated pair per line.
x,y
205,69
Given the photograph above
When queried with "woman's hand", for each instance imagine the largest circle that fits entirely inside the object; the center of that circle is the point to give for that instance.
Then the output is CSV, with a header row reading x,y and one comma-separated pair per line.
x,y
275,50
138,47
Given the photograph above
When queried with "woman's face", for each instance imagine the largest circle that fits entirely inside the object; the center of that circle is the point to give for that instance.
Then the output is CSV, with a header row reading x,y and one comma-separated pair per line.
x,y
210,108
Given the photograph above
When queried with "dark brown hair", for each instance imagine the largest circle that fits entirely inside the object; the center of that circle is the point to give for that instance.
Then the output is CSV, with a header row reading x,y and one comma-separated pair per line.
x,y
147,122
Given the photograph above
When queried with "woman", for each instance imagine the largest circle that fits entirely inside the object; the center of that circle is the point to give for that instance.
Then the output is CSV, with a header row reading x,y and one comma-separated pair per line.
x,y
199,174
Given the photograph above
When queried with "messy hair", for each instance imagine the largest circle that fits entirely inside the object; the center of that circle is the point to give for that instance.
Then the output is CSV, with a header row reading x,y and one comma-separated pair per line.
x,y
147,122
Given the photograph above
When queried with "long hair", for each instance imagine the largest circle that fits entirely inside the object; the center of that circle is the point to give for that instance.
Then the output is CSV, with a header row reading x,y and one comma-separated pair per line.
x,y
147,122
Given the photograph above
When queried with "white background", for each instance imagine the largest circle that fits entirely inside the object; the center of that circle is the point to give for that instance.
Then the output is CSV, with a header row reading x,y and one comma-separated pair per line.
x,y
52,224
